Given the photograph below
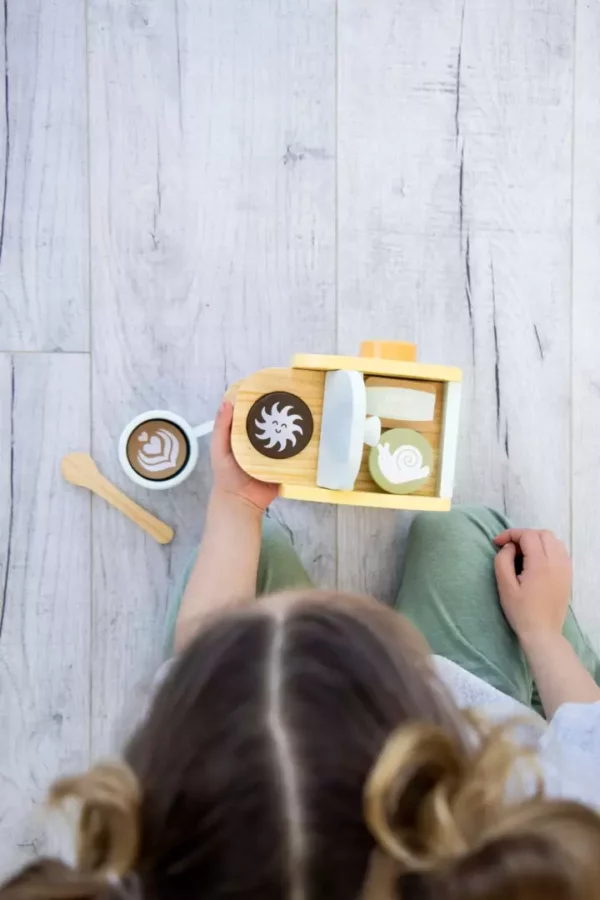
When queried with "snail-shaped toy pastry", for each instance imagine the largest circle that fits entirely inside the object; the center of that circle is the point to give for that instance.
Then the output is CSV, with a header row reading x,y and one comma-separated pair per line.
x,y
401,462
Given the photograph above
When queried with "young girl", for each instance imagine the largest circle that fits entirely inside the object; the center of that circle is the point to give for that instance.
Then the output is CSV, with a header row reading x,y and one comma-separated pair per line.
x,y
307,746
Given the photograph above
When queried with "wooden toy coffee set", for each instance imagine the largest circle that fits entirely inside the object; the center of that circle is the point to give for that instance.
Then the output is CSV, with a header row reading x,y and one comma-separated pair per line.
x,y
379,429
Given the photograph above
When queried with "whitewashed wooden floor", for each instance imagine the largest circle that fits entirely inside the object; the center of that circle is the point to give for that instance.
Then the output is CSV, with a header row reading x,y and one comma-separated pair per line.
x,y
193,189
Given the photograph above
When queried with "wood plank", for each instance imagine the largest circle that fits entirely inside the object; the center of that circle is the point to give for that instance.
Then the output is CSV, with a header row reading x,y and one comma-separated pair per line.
x,y
44,227
454,214
213,197
45,582
6,474
515,127
586,322
397,196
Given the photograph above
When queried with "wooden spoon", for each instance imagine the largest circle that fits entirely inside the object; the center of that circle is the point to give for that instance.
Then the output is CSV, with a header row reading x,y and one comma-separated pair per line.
x,y
80,469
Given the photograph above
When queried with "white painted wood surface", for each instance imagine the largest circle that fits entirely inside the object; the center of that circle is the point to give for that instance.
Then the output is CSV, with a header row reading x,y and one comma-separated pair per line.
x,y
585,472
398,216
514,133
270,178
44,222
45,539
213,256
454,216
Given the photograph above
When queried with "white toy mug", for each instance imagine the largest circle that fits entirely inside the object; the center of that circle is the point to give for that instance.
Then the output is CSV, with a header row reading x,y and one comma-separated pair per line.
x,y
158,449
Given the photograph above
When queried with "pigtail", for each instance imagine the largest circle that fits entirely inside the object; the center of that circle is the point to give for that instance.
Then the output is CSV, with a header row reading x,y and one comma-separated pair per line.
x,y
108,829
107,799
448,822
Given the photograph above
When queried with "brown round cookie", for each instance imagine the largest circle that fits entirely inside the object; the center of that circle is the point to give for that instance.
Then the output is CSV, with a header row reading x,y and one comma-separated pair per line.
x,y
158,449
279,425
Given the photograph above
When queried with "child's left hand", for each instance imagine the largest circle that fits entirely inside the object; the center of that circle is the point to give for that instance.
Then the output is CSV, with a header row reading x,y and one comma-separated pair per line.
x,y
537,600
229,477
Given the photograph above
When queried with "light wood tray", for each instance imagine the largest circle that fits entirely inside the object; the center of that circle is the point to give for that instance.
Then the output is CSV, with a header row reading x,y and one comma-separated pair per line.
x,y
298,475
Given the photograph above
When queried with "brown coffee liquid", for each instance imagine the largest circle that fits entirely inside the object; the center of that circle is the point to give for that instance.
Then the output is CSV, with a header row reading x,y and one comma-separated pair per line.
x,y
158,450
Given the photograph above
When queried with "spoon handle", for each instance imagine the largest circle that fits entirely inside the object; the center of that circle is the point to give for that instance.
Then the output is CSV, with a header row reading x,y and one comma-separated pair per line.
x,y
150,524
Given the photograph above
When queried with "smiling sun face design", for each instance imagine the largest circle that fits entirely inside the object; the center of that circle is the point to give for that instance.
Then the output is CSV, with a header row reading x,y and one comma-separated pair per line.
x,y
279,425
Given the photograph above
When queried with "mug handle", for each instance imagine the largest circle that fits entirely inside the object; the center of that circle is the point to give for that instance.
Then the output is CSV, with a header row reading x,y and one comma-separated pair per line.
x,y
205,428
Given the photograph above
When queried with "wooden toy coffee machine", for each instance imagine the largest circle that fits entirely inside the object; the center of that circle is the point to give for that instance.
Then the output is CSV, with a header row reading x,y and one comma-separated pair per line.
x,y
379,429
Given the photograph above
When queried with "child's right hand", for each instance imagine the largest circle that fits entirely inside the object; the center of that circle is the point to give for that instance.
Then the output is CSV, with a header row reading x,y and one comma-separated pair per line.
x,y
229,478
536,601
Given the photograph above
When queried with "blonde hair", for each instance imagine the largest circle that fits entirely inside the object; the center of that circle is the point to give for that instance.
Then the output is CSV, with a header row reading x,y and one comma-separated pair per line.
x,y
308,753
449,815
107,799
108,827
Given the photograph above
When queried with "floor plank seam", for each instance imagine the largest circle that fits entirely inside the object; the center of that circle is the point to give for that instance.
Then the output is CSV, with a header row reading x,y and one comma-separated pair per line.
x,y
11,496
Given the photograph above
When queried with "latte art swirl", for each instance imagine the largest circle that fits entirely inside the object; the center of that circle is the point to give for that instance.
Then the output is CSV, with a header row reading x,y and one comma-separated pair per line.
x,y
158,450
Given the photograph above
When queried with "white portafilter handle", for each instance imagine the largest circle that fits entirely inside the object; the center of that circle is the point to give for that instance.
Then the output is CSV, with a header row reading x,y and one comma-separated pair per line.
x,y
372,430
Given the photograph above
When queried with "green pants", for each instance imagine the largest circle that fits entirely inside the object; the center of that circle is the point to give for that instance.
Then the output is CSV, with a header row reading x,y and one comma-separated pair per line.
x,y
448,592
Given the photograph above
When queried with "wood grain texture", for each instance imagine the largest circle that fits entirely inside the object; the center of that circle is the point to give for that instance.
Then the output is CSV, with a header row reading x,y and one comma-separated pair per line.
x,y
6,474
300,469
431,431
514,178
454,201
397,214
213,190
298,474
373,499
44,223
586,322
81,470
376,366
424,425
45,636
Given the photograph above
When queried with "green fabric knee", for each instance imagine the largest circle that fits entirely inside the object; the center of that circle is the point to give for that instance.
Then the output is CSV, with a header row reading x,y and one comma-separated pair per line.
x,y
449,593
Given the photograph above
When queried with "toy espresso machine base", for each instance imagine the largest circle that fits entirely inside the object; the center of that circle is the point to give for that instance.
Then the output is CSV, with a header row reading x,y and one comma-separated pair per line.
x,y
379,429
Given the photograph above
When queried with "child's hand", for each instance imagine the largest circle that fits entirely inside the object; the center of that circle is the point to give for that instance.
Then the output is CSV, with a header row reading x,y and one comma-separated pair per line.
x,y
537,600
229,478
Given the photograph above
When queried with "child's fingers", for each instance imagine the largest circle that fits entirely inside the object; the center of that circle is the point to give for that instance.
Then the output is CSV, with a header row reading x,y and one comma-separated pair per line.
x,y
533,550
504,566
221,439
511,535
529,542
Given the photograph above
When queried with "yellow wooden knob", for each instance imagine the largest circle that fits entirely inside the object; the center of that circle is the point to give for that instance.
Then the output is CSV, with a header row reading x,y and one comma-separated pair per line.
x,y
400,350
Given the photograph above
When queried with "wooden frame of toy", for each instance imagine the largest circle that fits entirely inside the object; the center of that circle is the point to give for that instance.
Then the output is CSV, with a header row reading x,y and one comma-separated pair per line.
x,y
379,429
